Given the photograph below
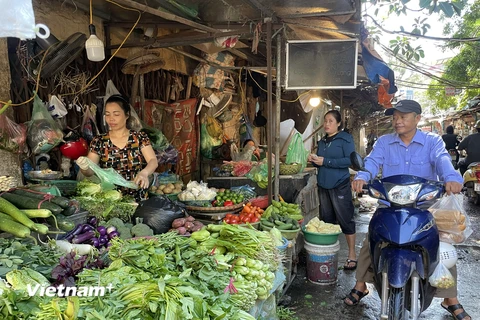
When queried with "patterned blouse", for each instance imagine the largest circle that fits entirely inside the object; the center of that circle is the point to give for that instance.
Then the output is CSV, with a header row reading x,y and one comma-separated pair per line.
x,y
127,161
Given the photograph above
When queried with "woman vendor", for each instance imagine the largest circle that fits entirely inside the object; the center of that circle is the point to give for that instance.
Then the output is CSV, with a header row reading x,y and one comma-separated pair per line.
x,y
127,151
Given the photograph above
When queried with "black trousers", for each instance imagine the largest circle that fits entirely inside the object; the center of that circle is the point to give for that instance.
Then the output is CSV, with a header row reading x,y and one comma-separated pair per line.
x,y
336,206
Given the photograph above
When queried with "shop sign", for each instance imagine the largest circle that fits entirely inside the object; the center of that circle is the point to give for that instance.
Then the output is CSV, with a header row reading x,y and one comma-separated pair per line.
x,y
449,91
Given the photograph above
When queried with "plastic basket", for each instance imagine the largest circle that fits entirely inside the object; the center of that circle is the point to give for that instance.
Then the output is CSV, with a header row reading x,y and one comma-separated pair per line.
x,y
78,218
319,238
66,187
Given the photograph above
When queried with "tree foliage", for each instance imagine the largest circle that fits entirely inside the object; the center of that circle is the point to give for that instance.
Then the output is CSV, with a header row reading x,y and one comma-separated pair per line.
x,y
464,68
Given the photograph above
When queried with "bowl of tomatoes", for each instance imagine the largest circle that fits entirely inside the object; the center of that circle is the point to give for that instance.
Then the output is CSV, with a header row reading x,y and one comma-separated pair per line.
x,y
242,219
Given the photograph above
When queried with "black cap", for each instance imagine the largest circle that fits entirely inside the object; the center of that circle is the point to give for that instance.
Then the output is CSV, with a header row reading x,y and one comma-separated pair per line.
x,y
405,106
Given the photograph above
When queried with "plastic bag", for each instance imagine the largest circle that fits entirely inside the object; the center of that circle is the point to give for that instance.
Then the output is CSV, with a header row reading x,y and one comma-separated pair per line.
x,y
43,132
89,126
296,151
157,138
441,277
207,142
244,155
214,127
110,176
18,19
56,107
12,135
158,213
451,220
259,174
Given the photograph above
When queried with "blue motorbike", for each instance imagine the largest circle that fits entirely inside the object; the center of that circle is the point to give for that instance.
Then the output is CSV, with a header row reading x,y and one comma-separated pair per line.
x,y
404,242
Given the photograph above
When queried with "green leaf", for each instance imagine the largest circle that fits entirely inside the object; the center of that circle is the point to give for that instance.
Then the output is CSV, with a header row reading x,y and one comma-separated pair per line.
x,y
457,7
161,286
446,8
425,3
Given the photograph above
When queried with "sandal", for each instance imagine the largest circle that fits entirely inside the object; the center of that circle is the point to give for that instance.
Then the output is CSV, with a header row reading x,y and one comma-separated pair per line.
x,y
454,308
346,267
354,300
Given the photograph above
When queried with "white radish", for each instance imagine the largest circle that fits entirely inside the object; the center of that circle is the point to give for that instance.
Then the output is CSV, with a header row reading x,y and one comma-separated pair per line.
x,y
67,247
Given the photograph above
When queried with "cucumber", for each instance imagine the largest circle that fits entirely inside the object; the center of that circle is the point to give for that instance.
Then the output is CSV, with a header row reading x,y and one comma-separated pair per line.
x,y
274,215
296,217
59,201
279,222
63,223
70,210
286,226
22,202
296,224
267,223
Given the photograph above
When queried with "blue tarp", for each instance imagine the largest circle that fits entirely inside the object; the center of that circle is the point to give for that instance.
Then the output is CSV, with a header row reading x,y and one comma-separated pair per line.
x,y
375,67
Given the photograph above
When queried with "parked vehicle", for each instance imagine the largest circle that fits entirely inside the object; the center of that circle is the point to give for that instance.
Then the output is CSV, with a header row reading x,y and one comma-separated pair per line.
x,y
471,182
404,242
453,155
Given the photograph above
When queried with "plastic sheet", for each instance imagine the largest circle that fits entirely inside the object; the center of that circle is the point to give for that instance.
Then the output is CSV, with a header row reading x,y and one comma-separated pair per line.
x,y
110,176
296,151
18,19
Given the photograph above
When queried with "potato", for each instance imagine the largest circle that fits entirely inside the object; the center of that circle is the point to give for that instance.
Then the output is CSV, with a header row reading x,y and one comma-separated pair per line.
x,y
167,190
171,186
177,190
162,186
178,185
153,188
158,191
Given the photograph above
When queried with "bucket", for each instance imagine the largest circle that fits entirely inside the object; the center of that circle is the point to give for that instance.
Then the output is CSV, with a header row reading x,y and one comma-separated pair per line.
x,y
322,263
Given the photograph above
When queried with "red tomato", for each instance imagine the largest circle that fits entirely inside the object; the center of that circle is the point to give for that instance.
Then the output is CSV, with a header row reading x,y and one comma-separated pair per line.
x,y
229,215
254,219
235,219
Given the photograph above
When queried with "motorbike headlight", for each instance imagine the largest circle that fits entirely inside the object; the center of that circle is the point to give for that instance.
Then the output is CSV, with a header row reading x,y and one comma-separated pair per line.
x,y
404,195
429,196
376,194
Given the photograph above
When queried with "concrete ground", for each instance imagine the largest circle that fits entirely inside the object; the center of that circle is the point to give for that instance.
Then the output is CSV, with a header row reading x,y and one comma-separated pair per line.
x,y
313,301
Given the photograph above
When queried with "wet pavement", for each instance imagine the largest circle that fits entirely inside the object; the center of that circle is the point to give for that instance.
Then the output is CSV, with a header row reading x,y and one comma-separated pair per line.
x,y
313,301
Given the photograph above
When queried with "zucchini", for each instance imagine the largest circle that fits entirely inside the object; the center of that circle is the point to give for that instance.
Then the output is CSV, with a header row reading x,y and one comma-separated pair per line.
x,y
59,201
40,213
22,202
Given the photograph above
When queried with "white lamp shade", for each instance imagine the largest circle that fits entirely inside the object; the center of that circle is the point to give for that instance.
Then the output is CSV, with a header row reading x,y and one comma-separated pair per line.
x,y
95,48
314,101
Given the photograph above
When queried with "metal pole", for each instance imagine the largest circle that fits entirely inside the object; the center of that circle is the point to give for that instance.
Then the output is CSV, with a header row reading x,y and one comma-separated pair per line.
x,y
271,119
278,103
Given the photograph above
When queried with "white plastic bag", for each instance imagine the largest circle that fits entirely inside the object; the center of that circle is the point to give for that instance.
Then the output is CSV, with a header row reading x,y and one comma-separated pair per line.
x,y
56,107
441,277
18,19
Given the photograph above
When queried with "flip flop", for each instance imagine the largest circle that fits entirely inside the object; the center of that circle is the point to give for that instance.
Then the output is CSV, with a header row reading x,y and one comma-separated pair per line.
x,y
453,308
354,300
346,267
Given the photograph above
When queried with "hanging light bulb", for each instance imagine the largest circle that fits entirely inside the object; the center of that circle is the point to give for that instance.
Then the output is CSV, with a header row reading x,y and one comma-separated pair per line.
x,y
93,45
314,99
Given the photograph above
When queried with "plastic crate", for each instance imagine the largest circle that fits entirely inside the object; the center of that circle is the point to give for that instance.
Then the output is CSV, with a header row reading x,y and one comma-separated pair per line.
x,y
67,187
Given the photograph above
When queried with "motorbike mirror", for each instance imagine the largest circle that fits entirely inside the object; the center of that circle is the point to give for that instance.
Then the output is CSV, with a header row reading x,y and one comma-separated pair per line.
x,y
357,162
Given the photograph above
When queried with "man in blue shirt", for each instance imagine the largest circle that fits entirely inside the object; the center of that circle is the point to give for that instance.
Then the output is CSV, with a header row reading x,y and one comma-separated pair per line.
x,y
407,151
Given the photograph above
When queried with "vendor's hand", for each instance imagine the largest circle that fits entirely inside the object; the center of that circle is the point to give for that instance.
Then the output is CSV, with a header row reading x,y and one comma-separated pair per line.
x,y
357,185
453,187
141,180
318,160
82,162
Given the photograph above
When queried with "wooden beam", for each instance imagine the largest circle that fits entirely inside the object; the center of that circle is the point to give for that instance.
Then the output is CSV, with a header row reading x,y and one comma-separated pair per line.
x,y
256,4
165,15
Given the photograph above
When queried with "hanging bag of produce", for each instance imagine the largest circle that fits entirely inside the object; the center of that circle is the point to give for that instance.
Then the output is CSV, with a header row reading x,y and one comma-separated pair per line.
x,y
12,135
157,138
296,152
43,132
89,126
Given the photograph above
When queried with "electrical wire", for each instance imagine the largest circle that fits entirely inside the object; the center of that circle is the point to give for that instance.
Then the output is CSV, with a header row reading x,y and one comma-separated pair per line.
x,y
260,87
419,35
90,82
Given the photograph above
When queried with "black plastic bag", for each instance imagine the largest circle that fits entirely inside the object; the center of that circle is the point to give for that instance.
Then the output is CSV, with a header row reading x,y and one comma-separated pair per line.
x,y
158,213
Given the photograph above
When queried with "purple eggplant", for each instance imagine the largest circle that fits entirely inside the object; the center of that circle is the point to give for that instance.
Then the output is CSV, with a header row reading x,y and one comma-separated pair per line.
x,y
93,221
94,242
102,240
113,234
69,235
111,229
83,237
87,227
102,230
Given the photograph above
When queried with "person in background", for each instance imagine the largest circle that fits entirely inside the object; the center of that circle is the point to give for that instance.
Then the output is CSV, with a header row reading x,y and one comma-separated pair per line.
x,y
128,152
451,141
250,144
407,151
333,179
471,144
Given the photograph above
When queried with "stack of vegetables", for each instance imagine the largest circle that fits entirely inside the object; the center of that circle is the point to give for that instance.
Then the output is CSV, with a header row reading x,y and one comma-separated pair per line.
x,y
249,214
185,226
104,203
219,272
282,215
